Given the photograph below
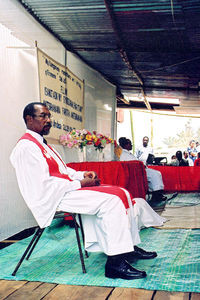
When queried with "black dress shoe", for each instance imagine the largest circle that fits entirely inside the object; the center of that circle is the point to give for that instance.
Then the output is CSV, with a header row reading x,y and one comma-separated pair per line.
x,y
163,198
158,196
122,269
140,253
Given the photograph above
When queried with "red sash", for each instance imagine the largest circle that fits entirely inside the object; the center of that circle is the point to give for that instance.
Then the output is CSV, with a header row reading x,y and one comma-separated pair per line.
x,y
111,189
54,171
52,164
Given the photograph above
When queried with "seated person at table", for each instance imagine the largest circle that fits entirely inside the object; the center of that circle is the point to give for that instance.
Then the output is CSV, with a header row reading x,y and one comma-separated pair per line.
x,y
186,157
174,161
48,185
197,161
180,160
142,153
154,177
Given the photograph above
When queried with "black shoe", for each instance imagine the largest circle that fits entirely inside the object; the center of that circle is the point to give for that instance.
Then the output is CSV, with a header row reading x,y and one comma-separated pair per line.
x,y
158,196
163,198
139,253
122,269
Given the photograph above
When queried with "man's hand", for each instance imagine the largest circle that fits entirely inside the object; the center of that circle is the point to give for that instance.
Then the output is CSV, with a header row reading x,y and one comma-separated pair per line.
x,y
90,179
90,174
87,181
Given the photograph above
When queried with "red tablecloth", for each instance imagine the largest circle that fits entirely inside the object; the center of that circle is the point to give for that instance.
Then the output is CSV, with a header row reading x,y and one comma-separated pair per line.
x,y
180,179
127,174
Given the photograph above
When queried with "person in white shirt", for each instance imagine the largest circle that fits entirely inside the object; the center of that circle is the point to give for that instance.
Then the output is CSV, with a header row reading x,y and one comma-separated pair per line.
x,y
144,150
48,185
154,177
186,157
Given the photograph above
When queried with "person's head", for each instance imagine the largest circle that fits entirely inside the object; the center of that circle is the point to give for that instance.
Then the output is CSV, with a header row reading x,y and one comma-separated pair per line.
x,y
179,155
36,116
145,141
185,154
197,144
192,144
173,157
125,143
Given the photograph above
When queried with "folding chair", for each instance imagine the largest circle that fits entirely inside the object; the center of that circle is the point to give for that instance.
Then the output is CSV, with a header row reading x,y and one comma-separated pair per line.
x,y
39,231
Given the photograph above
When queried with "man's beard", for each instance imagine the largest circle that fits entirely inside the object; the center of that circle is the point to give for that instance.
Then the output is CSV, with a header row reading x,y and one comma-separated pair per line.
x,y
46,129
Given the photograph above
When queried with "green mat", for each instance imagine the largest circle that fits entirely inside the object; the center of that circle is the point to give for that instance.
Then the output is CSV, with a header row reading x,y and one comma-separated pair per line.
x,y
56,260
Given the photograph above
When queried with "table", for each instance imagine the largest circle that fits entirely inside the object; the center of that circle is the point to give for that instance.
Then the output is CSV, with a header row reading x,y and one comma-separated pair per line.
x,y
179,179
127,174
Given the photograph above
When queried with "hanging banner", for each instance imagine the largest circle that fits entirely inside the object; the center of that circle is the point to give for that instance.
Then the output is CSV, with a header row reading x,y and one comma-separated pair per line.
x,y
63,93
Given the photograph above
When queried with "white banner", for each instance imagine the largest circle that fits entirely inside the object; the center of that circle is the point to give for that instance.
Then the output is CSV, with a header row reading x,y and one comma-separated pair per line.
x,y
63,92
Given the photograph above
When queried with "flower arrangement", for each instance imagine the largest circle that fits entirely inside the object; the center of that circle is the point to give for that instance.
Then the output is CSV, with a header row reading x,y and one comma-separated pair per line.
x,y
80,138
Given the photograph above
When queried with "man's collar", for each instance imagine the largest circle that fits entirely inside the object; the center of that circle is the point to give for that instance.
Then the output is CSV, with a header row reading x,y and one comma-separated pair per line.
x,y
35,135
125,150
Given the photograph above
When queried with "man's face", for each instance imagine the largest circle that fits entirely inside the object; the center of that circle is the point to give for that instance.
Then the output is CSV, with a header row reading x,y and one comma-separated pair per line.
x,y
129,145
40,122
145,142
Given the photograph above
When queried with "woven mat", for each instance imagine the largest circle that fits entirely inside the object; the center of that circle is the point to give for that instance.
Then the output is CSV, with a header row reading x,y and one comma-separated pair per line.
x,y
56,260
181,217
182,211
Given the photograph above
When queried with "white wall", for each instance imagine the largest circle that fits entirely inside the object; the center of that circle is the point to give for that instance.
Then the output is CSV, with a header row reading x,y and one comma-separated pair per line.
x,y
19,86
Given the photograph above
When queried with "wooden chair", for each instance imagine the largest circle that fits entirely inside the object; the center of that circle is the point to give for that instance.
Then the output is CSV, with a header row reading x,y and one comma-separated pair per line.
x,y
39,231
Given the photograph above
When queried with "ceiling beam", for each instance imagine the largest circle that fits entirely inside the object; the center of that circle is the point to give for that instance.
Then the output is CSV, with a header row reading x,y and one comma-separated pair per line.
x,y
122,50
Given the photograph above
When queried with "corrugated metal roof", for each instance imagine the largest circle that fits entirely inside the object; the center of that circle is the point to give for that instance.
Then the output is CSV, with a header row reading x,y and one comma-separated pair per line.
x,y
152,46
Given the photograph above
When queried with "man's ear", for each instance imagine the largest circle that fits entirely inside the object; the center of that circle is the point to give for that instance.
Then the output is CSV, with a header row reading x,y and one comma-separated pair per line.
x,y
29,119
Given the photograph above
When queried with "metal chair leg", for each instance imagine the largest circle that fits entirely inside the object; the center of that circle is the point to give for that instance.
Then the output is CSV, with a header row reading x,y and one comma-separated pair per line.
x,y
39,232
37,236
79,244
82,233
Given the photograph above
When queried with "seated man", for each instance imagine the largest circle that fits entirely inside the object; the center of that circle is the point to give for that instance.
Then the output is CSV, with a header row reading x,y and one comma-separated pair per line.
x,y
48,185
154,177
180,160
186,157
144,150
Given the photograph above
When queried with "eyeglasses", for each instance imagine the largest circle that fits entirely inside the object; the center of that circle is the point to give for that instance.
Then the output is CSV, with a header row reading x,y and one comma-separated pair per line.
x,y
44,116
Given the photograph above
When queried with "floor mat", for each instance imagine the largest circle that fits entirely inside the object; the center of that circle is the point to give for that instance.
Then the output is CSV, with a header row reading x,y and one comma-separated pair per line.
x,y
182,211
56,260
181,217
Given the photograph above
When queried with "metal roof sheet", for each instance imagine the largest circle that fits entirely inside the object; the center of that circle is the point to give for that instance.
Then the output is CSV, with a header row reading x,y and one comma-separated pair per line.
x,y
152,46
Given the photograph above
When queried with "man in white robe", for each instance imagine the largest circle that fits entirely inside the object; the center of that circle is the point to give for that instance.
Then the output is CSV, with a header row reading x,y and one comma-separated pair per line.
x,y
48,185
154,177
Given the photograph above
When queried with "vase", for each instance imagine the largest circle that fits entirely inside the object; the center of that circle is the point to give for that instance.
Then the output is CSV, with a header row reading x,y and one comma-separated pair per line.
x,y
91,153
82,154
100,155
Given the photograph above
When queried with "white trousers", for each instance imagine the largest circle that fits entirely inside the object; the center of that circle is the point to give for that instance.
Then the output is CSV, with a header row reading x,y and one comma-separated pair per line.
x,y
108,226
155,181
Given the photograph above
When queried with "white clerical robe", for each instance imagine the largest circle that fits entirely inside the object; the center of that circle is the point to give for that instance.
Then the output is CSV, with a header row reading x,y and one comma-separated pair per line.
x,y
113,227
154,177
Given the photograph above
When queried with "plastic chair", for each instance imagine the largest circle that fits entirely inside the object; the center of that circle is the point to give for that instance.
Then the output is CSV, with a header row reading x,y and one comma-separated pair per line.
x,y
38,233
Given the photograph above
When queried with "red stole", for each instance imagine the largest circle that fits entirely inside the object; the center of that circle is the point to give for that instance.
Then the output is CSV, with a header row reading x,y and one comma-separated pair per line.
x,y
54,171
52,164
111,189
